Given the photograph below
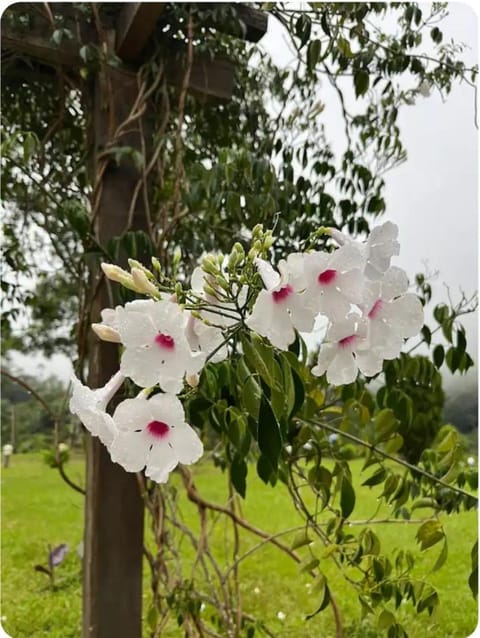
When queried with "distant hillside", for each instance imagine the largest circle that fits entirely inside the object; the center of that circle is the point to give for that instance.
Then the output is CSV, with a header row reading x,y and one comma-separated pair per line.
x,y
461,403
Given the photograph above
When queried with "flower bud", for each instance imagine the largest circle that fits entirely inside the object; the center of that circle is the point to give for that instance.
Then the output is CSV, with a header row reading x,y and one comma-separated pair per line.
x,y
193,380
209,290
209,266
257,231
106,333
156,265
177,255
142,283
115,273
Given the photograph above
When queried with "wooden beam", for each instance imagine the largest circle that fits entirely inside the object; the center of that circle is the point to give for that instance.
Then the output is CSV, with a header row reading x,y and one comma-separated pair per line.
x,y
208,78
41,48
253,22
135,24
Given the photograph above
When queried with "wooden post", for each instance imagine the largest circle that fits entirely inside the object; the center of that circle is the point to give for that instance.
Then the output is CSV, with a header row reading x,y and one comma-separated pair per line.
x,y
112,580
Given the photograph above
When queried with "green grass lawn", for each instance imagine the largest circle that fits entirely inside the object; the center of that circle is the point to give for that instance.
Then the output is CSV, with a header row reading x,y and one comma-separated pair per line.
x,y
39,508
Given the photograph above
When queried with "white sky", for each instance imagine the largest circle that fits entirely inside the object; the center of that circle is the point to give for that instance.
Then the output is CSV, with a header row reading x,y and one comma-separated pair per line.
x,y
433,197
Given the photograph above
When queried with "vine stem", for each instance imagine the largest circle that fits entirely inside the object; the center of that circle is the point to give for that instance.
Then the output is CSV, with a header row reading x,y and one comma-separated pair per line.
x,y
386,455
195,497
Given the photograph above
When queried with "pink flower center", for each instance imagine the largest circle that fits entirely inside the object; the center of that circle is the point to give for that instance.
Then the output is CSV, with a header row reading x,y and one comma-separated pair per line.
x,y
377,306
327,277
158,429
347,341
282,294
165,341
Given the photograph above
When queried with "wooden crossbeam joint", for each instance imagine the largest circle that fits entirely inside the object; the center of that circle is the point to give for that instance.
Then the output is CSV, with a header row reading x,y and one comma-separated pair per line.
x,y
135,24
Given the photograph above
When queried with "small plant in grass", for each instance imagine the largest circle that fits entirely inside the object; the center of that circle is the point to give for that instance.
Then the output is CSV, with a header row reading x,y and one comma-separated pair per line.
x,y
55,557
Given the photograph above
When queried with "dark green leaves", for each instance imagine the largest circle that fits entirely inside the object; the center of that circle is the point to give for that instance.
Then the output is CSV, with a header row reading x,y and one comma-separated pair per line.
x,y
269,436
429,533
361,81
347,497
313,54
438,355
238,474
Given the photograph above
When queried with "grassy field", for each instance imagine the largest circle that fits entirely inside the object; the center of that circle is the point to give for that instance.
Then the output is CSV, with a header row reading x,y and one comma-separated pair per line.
x,y
39,509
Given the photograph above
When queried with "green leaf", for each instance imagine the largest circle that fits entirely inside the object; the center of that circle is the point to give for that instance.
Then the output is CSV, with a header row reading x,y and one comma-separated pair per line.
x,y
323,604
309,566
376,478
324,24
152,617
313,54
303,28
361,81
265,470
344,47
442,557
429,533
251,396
448,442
386,619
238,473
259,357
438,355
269,435
299,393
301,539
461,341
441,313
347,498
426,333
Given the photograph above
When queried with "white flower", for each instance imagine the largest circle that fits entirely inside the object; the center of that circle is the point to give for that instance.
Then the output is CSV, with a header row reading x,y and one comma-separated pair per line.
x,y
107,330
345,352
152,434
281,308
156,348
379,248
256,590
206,339
223,313
7,449
470,461
90,405
281,615
334,280
393,314
63,447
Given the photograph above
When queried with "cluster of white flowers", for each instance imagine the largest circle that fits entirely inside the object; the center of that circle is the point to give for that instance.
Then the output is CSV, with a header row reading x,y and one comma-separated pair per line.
x,y
364,298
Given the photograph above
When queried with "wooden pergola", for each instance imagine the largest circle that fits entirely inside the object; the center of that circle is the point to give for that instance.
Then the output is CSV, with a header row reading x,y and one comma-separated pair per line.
x,y
114,513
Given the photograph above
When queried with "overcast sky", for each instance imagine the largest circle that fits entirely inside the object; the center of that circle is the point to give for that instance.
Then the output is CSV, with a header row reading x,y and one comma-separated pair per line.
x,y
432,197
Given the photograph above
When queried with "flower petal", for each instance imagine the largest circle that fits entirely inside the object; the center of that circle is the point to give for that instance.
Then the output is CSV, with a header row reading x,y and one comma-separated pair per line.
x,y
343,368
130,450
326,355
368,362
405,315
186,444
394,283
161,461
132,414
